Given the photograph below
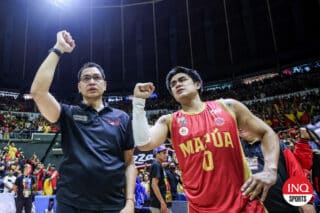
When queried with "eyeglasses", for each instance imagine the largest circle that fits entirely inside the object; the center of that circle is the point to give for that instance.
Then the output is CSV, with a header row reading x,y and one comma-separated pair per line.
x,y
87,78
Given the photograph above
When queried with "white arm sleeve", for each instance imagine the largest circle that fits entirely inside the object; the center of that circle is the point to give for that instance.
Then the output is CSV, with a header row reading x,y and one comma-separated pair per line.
x,y
141,132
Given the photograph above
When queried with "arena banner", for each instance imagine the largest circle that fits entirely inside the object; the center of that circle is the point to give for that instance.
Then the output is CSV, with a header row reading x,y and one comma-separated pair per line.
x,y
141,158
144,158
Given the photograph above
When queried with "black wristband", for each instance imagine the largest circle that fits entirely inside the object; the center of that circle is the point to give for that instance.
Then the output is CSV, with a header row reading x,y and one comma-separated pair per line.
x,y
56,51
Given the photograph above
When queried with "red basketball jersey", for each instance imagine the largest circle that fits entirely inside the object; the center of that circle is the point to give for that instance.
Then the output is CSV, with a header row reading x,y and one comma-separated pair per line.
x,y
211,159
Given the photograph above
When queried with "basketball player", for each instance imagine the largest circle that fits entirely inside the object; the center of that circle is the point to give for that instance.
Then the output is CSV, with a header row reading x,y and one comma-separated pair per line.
x,y
205,137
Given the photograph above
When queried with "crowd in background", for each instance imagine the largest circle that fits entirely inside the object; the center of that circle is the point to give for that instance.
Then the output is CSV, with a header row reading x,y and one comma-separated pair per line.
x,y
282,111
12,163
284,102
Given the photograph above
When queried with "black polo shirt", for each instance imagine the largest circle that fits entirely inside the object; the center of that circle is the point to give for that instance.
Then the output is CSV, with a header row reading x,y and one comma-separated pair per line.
x,y
92,173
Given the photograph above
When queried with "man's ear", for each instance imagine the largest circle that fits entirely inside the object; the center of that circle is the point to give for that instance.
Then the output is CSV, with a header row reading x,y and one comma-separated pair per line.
x,y
79,87
198,84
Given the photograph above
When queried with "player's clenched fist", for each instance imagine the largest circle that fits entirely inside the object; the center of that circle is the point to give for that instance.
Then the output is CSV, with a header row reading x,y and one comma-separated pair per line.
x,y
143,90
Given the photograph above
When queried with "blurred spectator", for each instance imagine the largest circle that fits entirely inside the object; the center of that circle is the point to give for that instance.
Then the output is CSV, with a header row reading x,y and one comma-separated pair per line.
x,y
146,183
140,193
12,149
9,181
39,172
174,180
303,151
2,167
53,176
160,194
24,187
6,131
303,115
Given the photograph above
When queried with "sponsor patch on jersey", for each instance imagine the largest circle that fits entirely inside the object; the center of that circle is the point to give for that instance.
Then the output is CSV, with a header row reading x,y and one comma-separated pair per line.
x,y
183,131
182,121
80,118
215,111
219,121
113,122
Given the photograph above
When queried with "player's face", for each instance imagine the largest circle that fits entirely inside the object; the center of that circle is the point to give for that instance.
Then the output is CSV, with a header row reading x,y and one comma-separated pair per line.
x,y
182,85
91,84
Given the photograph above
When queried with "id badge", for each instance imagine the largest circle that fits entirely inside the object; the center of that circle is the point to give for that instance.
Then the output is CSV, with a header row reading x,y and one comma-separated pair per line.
x,y
253,163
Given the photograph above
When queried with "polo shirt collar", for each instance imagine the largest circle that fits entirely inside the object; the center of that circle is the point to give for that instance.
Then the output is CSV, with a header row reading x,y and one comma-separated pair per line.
x,y
87,107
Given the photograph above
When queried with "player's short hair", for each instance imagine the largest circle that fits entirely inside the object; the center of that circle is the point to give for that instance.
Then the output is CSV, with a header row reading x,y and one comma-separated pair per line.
x,y
194,75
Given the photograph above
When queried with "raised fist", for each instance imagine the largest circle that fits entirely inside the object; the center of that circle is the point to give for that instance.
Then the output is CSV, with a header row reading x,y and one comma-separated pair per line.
x,y
143,90
65,43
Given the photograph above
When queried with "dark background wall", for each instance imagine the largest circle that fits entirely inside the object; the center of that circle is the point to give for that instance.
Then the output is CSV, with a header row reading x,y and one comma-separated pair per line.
x,y
140,40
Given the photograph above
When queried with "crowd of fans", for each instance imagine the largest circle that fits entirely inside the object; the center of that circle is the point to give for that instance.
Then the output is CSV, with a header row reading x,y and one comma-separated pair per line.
x,y
267,98
284,102
12,162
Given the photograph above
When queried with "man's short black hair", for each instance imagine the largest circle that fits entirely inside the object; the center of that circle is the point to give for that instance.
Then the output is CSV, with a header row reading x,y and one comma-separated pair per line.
x,y
190,72
91,64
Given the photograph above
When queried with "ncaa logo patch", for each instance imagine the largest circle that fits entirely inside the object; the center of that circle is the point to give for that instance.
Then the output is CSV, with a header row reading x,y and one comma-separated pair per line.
x,y
183,131
219,121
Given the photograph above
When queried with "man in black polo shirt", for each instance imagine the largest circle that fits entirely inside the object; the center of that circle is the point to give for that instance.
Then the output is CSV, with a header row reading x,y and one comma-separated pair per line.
x,y
24,186
97,173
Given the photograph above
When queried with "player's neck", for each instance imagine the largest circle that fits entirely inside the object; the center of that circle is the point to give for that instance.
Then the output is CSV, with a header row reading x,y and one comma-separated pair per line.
x,y
195,106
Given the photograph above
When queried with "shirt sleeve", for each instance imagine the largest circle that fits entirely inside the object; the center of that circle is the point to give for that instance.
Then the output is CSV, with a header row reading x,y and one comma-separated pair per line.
x,y
129,141
303,153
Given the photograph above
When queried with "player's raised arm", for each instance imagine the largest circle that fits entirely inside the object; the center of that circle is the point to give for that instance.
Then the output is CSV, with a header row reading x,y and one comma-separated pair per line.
x,y
146,137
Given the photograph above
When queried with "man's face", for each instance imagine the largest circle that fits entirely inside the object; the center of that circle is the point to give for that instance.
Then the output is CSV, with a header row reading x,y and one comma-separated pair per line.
x,y
26,169
10,172
91,84
182,85
162,156
172,166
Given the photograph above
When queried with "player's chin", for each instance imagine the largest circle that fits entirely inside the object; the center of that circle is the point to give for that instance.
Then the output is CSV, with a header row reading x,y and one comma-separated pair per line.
x,y
180,96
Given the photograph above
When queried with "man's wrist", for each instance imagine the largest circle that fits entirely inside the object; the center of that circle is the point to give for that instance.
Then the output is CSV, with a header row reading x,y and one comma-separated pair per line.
x,y
57,51
272,169
130,199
